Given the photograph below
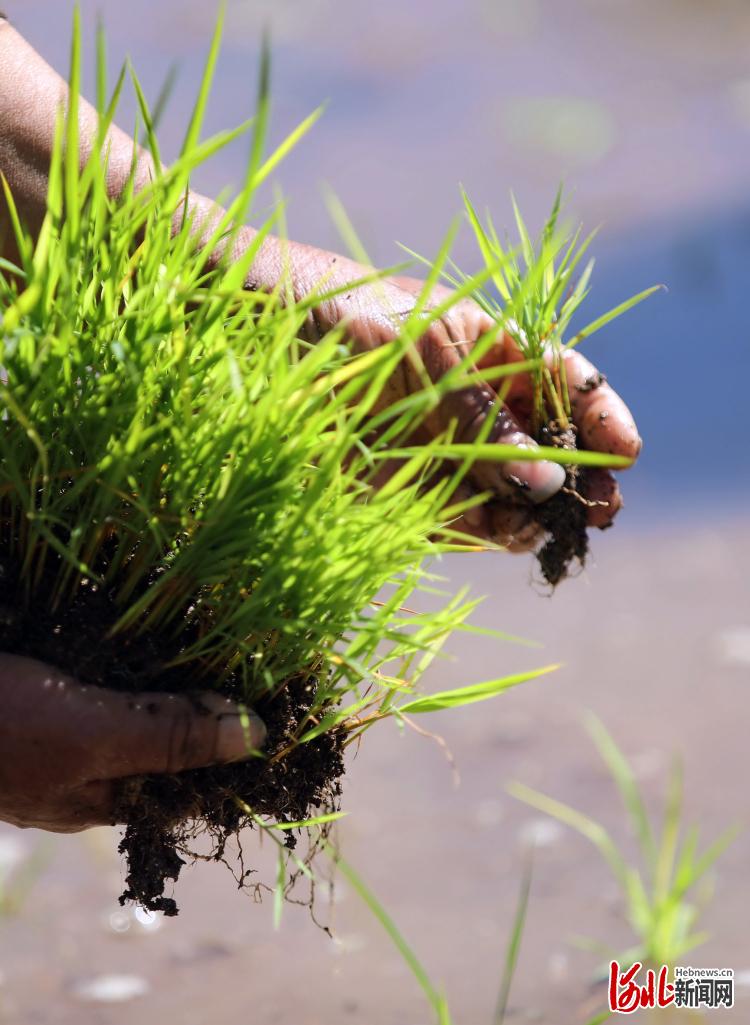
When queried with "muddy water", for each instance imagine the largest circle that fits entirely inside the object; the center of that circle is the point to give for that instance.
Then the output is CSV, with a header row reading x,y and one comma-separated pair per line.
x,y
655,638
644,109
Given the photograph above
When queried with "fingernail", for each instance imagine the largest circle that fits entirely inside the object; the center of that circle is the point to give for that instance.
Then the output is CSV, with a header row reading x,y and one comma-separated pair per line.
x,y
539,480
240,733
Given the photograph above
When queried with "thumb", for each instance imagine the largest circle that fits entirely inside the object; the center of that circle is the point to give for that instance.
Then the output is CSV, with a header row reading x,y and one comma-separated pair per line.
x,y
166,733
95,733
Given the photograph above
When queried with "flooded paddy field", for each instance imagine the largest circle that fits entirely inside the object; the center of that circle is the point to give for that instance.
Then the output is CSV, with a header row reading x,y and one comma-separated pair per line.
x,y
644,111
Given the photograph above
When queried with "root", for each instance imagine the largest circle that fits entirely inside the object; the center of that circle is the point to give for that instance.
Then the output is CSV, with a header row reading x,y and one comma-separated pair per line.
x,y
564,516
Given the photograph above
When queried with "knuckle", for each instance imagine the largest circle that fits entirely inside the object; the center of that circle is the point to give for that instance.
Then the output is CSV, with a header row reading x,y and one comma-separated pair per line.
x,y
179,740
477,404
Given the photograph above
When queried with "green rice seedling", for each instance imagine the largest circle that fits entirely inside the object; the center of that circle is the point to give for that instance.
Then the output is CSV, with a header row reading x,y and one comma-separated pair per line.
x,y
514,945
187,496
434,994
534,291
663,899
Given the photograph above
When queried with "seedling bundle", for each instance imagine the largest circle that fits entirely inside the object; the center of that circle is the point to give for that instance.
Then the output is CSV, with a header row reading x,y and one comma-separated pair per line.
x,y
186,496
538,289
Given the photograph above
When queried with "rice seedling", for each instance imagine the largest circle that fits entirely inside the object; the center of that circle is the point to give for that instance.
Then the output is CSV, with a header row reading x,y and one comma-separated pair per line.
x,y
661,902
187,496
434,994
533,293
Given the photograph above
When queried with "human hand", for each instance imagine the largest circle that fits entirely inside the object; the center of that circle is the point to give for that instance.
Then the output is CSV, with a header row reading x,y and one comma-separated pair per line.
x,y
372,314
30,94
64,746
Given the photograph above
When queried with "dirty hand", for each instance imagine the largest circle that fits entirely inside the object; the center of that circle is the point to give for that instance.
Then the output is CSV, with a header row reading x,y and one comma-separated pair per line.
x,y
63,746
372,314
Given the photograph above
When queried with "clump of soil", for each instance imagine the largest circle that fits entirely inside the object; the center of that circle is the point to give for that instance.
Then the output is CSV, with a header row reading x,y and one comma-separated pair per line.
x,y
163,813
563,516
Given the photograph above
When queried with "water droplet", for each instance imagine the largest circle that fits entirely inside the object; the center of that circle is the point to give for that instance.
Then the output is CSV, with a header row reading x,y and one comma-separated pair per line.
x,y
111,989
119,921
351,943
540,833
149,921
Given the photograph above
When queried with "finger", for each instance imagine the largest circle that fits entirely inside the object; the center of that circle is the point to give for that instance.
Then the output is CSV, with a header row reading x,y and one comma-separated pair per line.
x,y
107,733
414,286
474,521
470,408
167,733
90,805
604,422
447,343
602,489
467,410
503,523
514,527
385,469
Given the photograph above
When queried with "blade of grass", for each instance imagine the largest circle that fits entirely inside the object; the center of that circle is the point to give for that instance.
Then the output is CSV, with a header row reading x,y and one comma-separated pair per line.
x,y
607,318
192,135
587,827
72,204
474,692
626,784
514,944
436,1000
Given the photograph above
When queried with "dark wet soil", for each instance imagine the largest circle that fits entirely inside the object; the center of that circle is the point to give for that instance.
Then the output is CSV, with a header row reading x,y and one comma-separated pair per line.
x,y
163,814
563,517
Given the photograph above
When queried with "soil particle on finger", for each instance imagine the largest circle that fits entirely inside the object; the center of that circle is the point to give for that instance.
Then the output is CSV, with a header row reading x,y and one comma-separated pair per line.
x,y
591,383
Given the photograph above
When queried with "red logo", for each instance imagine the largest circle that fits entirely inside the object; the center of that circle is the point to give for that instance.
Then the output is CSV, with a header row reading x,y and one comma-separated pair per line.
x,y
627,996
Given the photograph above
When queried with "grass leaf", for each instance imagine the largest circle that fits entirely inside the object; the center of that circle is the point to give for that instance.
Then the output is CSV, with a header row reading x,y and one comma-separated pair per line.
x,y
607,318
474,692
192,135
435,999
514,944
626,784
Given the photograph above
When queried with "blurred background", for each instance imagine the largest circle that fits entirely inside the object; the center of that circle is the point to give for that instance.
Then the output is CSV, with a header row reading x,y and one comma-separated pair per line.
x,y
643,111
